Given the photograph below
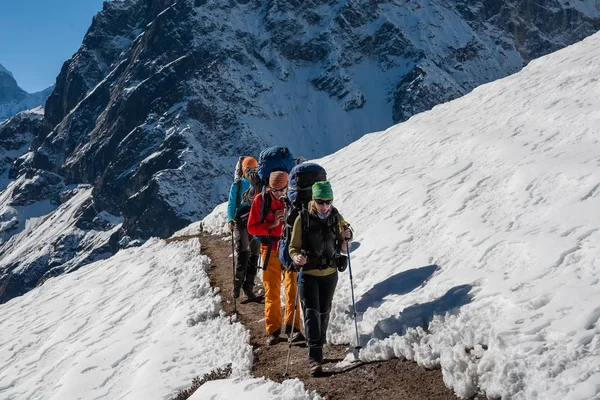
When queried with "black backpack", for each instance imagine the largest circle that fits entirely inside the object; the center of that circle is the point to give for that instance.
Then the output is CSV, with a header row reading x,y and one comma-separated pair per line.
x,y
299,194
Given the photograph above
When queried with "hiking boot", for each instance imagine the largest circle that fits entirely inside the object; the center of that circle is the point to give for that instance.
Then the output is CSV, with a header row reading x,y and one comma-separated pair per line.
x,y
294,333
315,369
250,295
297,336
289,330
273,338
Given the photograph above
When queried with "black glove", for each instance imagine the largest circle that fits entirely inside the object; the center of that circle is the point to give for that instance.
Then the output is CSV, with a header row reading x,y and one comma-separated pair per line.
x,y
342,262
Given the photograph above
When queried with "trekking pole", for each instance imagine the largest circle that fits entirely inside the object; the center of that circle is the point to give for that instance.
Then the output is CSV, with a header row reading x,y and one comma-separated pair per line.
x,y
358,347
233,268
293,321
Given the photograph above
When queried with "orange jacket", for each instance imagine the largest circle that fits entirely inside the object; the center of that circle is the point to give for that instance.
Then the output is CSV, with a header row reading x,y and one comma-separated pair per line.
x,y
256,228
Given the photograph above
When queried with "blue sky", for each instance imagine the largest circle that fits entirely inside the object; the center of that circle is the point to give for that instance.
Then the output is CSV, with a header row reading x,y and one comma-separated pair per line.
x,y
38,36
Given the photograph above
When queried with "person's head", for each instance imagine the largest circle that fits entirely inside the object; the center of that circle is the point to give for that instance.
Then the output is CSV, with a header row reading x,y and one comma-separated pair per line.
x,y
250,170
278,182
249,167
322,195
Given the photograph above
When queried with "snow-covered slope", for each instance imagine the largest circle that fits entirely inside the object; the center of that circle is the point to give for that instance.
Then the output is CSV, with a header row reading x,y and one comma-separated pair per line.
x,y
140,325
487,207
42,233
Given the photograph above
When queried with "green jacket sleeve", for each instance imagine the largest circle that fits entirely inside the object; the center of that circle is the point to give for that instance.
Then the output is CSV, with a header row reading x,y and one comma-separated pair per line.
x,y
296,241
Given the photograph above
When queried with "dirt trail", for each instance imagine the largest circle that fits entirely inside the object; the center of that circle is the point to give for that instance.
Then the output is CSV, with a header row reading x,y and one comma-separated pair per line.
x,y
394,379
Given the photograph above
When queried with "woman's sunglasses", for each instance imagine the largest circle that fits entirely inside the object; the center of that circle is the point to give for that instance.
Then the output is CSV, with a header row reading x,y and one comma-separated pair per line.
x,y
283,189
321,202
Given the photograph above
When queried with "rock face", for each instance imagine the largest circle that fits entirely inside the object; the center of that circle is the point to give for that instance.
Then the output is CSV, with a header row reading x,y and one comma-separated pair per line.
x,y
163,95
17,136
13,99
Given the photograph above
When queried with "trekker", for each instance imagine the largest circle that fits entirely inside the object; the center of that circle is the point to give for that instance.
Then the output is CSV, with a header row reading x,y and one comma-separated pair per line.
x,y
246,248
317,250
269,231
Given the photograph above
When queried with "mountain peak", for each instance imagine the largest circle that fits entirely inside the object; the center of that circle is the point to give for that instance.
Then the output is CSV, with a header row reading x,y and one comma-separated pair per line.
x,y
2,69
13,99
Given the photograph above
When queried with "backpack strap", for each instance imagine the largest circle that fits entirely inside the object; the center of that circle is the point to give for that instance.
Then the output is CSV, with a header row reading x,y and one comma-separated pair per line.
x,y
266,259
305,223
335,219
266,205
334,225
238,183
287,225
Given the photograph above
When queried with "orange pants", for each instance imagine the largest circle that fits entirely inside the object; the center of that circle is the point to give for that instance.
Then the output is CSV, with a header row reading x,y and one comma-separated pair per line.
x,y
272,278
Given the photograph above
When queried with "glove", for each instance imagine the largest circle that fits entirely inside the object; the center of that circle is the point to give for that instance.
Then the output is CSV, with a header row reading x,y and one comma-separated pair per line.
x,y
231,225
342,263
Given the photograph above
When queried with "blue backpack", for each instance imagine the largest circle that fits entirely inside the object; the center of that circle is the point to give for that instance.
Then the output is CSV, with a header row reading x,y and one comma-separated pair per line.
x,y
270,160
274,159
300,182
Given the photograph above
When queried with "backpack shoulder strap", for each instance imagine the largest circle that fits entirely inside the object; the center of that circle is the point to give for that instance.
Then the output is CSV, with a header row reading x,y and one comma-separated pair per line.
x,y
305,219
266,205
334,222
238,183
336,219
305,223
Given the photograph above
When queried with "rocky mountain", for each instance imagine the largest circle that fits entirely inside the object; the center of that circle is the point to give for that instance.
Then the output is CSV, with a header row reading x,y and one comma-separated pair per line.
x,y
163,95
13,99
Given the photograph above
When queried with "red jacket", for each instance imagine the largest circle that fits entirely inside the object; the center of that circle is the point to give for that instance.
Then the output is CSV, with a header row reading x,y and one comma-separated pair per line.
x,y
255,228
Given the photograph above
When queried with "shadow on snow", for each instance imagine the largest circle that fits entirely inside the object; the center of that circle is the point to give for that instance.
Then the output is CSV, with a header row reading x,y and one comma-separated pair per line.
x,y
422,314
355,246
401,283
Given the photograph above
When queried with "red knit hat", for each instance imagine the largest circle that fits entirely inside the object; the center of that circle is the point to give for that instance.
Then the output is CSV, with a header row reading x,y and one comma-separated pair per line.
x,y
249,162
278,179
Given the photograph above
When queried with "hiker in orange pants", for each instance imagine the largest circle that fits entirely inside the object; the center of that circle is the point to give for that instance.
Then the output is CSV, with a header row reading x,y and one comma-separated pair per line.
x,y
272,278
266,222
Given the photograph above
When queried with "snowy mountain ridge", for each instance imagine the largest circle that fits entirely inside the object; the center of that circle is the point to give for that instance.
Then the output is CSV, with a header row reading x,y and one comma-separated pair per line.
x,y
466,262
4,70
13,99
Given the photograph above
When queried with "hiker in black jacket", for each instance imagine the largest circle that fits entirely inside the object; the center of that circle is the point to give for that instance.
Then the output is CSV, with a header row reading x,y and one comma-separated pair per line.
x,y
315,246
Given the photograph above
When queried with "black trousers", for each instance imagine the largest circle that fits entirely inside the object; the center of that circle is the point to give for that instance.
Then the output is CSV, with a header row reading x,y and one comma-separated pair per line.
x,y
247,253
316,295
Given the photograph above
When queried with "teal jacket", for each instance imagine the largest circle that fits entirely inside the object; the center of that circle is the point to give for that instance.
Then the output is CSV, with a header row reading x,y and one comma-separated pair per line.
x,y
235,197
